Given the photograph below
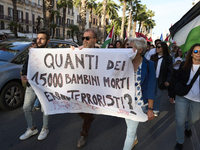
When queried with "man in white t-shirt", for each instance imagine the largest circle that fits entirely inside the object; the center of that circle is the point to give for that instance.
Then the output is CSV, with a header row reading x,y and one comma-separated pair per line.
x,y
152,51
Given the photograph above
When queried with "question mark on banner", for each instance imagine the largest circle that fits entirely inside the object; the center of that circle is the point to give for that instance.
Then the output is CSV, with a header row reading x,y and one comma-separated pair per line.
x,y
127,96
130,103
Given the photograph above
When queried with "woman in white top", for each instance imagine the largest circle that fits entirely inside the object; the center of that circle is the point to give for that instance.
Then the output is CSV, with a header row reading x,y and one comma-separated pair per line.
x,y
188,105
178,59
164,68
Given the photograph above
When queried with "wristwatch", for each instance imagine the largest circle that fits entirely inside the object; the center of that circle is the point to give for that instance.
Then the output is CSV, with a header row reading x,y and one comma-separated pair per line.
x,y
150,108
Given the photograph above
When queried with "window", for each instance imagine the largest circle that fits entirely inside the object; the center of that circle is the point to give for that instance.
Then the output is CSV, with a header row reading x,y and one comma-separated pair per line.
x,y
27,29
2,27
68,11
94,21
27,18
1,12
58,32
72,21
58,20
20,15
20,59
33,18
68,22
10,13
40,1
78,18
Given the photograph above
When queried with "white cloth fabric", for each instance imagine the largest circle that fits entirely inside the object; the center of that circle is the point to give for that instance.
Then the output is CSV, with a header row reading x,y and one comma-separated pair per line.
x,y
194,93
177,65
158,66
151,52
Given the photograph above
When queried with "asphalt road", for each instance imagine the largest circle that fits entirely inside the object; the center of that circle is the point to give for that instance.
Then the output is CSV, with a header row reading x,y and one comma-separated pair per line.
x,y
106,132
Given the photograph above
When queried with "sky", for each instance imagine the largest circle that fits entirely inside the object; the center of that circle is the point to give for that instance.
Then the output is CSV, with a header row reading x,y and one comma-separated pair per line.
x,y
167,13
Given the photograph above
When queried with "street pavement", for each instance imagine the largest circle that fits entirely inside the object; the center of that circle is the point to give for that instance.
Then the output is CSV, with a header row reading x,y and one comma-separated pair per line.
x,y
106,132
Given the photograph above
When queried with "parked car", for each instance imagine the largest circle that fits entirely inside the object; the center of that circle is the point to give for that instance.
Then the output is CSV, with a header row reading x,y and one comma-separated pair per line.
x,y
12,56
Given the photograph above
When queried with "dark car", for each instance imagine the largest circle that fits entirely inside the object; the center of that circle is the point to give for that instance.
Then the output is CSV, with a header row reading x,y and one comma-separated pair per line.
x,y
12,56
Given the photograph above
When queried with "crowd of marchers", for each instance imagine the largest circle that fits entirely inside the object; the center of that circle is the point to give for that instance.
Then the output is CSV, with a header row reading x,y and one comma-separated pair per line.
x,y
157,67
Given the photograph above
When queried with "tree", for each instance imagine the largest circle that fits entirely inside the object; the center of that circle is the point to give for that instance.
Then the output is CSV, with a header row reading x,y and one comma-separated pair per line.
x,y
15,24
53,26
64,4
132,7
13,27
104,19
74,30
91,5
47,9
38,23
111,10
142,16
123,17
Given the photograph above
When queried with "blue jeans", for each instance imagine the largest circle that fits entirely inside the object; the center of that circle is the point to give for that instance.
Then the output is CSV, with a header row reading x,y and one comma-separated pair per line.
x,y
37,103
158,97
185,110
131,132
29,100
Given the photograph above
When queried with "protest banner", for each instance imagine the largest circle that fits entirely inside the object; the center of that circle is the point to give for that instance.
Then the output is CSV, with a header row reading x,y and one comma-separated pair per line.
x,y
98,81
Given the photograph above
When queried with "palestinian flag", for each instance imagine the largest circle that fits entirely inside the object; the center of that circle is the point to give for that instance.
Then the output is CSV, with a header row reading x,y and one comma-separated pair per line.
x,y
186,32
109,38
167,39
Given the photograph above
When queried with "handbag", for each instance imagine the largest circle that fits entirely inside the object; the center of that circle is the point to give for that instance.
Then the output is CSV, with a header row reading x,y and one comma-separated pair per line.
x,y
181,89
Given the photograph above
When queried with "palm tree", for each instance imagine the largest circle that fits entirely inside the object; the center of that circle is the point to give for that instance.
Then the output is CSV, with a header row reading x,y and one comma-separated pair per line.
x,y
151,15
111,10
15,24
74,29
142,16
132,8
136,9
123,17
64,4
117,30
53,26
12,26
47,9
91,5
104,19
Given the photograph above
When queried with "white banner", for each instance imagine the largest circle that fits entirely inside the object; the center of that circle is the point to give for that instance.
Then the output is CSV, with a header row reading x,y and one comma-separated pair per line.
x,y
98,81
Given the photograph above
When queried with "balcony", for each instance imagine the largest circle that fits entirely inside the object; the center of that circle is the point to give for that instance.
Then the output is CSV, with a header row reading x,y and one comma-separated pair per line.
x,y
4,17
33,4
21,1
27,2
39,6
10,18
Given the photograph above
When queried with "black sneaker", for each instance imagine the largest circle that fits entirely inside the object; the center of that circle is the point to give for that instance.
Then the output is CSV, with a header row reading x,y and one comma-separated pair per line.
x,y
178,146
188,133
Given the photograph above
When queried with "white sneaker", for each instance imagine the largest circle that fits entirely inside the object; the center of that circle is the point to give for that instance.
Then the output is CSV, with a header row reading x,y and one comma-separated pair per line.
x,y
43,134
28,134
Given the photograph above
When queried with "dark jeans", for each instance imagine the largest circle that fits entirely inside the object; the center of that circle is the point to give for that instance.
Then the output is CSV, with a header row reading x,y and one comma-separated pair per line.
x,y
88,118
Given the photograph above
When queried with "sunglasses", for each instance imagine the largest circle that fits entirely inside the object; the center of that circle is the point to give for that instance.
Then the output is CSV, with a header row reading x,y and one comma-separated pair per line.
x,y
129,47
158,46
87,38
196,51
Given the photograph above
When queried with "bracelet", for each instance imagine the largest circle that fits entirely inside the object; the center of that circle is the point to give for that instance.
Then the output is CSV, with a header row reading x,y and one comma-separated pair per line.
x,y
150,108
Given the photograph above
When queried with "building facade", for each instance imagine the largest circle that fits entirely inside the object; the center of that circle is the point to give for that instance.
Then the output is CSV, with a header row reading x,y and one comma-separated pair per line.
x,y
30,13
